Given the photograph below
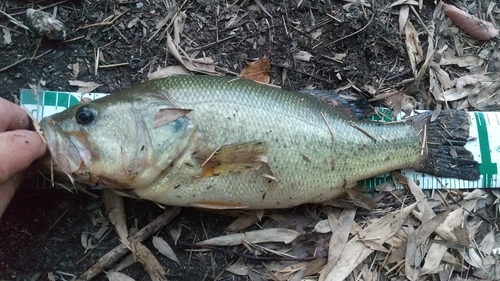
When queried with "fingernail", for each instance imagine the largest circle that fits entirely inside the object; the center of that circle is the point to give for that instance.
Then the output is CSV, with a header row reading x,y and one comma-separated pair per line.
x,y
24,122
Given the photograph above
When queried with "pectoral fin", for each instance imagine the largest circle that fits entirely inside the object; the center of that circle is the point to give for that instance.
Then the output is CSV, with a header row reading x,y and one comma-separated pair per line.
x,y
234,159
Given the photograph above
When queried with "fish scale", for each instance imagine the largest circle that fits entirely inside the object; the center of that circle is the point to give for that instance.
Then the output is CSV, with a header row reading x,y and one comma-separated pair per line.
x,y
312,153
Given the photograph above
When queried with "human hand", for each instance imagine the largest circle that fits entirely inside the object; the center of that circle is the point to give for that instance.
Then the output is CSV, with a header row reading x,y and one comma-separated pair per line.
x,y
19,147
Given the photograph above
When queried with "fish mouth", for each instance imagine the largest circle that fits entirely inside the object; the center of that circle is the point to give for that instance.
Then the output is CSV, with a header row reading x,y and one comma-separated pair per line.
x,y
68,152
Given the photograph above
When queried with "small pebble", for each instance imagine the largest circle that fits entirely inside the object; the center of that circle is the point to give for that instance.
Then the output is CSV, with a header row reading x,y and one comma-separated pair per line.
x,y
139,5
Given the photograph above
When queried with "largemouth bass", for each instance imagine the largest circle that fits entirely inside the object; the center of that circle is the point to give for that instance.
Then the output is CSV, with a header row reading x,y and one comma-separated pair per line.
x,y
217,142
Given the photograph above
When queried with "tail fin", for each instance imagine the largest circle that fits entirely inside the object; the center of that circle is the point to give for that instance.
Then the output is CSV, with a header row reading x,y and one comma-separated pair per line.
x,y
445,137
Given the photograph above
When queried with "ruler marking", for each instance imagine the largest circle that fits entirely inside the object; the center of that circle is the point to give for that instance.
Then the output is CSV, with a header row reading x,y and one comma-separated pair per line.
x,y
487,169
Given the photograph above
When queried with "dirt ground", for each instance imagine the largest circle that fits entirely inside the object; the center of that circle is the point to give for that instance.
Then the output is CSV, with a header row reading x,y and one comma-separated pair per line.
x,y
41,231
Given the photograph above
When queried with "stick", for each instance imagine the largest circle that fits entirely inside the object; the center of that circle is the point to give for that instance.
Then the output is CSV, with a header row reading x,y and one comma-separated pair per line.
x,y
328,125
362,131
14,64
112,256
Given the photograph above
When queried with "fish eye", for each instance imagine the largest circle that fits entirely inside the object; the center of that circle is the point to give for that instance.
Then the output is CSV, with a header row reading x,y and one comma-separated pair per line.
x,y
85,115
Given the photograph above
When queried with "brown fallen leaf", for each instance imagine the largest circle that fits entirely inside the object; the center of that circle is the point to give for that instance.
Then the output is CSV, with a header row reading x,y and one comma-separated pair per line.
x,y
470,24
259,236
84,87
361,200
169,71
413,47
115,209
242,222
238,268
340,234
162,246
258,71
358,248
167,115
118,276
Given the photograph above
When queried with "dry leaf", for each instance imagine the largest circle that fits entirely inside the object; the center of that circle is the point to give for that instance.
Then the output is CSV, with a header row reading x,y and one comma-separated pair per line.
x,y
168,71
115,209
175,233
75,69
437,251
84,87
302,56
413,48
258,71
488,99
244,221
7,36
338,239
322,227
168,115
464,61
259,236
118,276
206,66
238,269
357,249
316,34
404,12
465,86
470,24
162,246
361,200
487,244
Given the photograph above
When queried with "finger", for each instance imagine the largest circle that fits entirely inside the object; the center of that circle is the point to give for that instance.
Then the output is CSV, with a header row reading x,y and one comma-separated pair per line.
x,y
18,149
7,190
12,117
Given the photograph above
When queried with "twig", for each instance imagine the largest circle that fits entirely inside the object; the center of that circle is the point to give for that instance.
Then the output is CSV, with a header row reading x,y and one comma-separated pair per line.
x,y
210,44
328,125
211,155
303,73
424,142
41,8
114,65
42,54
60,217
73,39
112,256
362,131
354,33
14,20
104,23
13,30
14,64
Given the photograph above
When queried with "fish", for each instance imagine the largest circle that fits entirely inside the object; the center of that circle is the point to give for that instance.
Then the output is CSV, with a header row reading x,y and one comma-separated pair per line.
x,y
229,143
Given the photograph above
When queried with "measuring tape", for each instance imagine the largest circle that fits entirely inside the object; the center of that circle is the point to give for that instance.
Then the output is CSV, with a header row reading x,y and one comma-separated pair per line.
x,y
52,102
484,143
